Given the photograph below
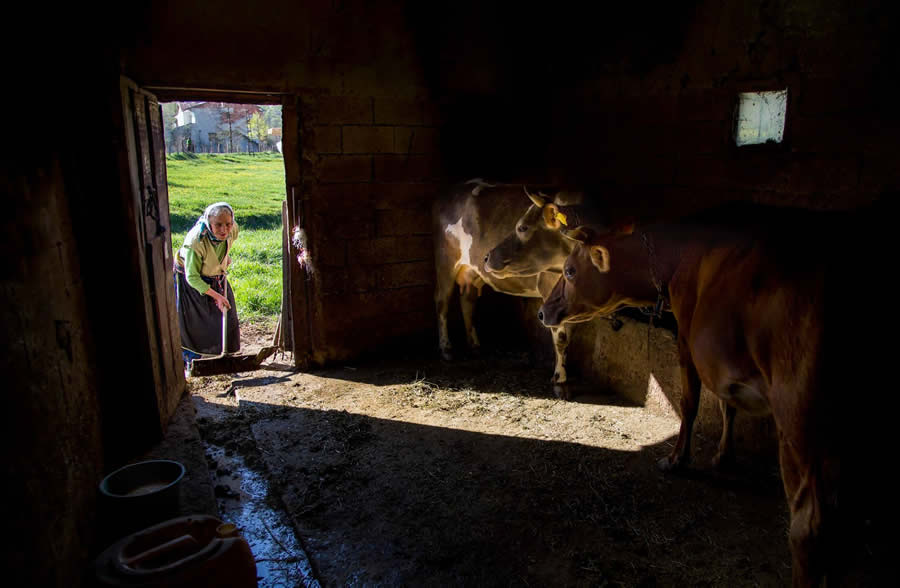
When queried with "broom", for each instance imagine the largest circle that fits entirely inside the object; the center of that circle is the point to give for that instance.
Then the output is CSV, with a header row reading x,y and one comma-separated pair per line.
x,y
229,363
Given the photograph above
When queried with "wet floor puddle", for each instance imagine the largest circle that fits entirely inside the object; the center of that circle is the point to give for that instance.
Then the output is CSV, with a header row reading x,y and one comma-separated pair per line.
x,y
241,496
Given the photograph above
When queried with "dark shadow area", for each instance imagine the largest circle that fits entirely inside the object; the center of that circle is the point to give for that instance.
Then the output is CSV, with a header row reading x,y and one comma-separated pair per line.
x,y
509,80
396,503
181,443
666,321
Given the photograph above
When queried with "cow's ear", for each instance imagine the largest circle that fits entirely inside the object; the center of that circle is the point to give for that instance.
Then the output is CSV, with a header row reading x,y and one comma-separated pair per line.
x,y
580,234
537,200
600,258
551,216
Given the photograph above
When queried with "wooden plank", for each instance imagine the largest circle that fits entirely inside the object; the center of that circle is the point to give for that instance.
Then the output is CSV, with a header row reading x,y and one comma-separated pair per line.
x,y
167,317
150,201
140,159
299,278
286,323
149,205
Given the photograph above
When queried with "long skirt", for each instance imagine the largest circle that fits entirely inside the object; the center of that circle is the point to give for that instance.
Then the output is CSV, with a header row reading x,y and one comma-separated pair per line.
x,y
200,319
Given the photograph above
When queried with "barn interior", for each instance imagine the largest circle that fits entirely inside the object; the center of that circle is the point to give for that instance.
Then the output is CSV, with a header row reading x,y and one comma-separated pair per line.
x,y
384,104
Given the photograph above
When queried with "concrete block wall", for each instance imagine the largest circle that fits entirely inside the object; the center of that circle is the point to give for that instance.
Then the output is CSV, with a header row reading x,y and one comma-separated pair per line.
x,y
640,364
375,170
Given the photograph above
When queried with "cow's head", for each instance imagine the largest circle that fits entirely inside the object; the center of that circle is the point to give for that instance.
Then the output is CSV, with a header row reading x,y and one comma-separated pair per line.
x,y
587,288
534,246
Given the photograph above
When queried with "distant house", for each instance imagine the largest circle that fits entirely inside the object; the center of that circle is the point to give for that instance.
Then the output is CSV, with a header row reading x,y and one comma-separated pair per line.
x,y
275,137
204,127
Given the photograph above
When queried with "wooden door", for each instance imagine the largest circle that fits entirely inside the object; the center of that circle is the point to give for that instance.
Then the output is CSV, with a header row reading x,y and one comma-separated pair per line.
x,y
147,167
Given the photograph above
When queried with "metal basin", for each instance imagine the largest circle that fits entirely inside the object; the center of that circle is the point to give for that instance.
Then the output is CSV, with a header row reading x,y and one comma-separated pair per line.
x,y
141,494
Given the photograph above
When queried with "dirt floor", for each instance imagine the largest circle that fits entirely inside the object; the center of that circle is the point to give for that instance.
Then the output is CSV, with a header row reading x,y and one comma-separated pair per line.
x,y
417,471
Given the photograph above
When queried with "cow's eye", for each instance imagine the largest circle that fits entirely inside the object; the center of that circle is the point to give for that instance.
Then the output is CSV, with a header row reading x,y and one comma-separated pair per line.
x,y
570,272
522,228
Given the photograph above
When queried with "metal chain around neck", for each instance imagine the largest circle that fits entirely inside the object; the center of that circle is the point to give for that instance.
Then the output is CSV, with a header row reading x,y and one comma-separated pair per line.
x,y
651,254
656,311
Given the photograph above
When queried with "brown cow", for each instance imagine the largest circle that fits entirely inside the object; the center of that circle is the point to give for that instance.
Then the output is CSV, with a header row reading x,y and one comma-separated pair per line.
x,y
469,221
526,256
748,297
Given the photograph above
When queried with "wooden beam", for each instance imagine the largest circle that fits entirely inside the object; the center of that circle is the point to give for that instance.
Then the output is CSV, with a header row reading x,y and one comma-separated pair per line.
x,y
299,276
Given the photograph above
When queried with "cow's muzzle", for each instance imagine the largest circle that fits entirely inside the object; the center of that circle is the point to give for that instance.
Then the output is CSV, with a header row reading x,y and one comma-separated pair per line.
x,y
550,316
491,263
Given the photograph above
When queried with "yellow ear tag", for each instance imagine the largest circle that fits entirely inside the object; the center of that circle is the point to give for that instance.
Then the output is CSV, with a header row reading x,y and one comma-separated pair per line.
x,y
561,218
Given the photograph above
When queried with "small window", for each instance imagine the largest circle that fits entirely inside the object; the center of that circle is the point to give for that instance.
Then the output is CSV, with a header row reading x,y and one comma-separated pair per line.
x,y
760,117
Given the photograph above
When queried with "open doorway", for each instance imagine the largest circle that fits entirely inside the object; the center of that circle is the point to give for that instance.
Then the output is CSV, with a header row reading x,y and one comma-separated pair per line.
x,y
230,152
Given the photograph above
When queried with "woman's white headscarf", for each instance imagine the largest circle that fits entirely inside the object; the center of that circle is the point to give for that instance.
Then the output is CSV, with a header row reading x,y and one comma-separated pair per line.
x,y
202,225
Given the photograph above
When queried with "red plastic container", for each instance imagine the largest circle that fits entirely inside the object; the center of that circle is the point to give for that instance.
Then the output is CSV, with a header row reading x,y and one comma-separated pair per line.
x,y
196,550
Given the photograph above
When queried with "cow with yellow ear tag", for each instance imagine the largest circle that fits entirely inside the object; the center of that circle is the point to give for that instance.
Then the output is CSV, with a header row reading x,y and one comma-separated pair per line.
x,y
480,228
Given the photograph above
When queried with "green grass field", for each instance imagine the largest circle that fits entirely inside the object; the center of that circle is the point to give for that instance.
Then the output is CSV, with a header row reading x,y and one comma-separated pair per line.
x,y
254,186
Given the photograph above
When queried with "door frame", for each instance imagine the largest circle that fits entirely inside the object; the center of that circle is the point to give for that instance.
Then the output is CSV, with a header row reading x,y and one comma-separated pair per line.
x,y
296,287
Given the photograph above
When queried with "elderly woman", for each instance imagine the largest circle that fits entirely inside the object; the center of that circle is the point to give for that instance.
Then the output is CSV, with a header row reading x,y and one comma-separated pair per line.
x,y
201,290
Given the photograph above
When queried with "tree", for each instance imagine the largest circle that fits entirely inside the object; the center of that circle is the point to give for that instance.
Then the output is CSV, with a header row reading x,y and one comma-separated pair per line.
x,y
272,115
169,110
232,117
258,129
226,123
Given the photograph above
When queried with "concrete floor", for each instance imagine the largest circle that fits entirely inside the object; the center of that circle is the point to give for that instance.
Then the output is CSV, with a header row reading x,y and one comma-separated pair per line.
x,y
217,484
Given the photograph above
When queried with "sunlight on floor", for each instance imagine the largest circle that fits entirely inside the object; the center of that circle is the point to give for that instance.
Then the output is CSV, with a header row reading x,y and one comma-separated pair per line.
x,y
593,421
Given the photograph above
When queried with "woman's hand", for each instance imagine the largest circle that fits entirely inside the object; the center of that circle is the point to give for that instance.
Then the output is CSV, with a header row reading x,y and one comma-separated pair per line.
x,y
220,300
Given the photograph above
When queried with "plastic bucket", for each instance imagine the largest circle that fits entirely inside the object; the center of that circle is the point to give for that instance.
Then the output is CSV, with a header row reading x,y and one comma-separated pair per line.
x,y
189,551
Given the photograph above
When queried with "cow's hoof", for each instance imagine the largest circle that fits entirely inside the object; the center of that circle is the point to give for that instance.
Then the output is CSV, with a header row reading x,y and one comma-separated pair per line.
x,y
670,464
446,355
562,391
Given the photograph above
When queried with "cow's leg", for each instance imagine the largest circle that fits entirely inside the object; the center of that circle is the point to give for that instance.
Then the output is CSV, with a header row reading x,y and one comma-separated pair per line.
x,y
467,297
690,401
725,455
804,495
443,292
561,337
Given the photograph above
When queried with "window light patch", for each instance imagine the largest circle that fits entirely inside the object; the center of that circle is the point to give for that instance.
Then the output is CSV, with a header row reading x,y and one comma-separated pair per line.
x,y
760,117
